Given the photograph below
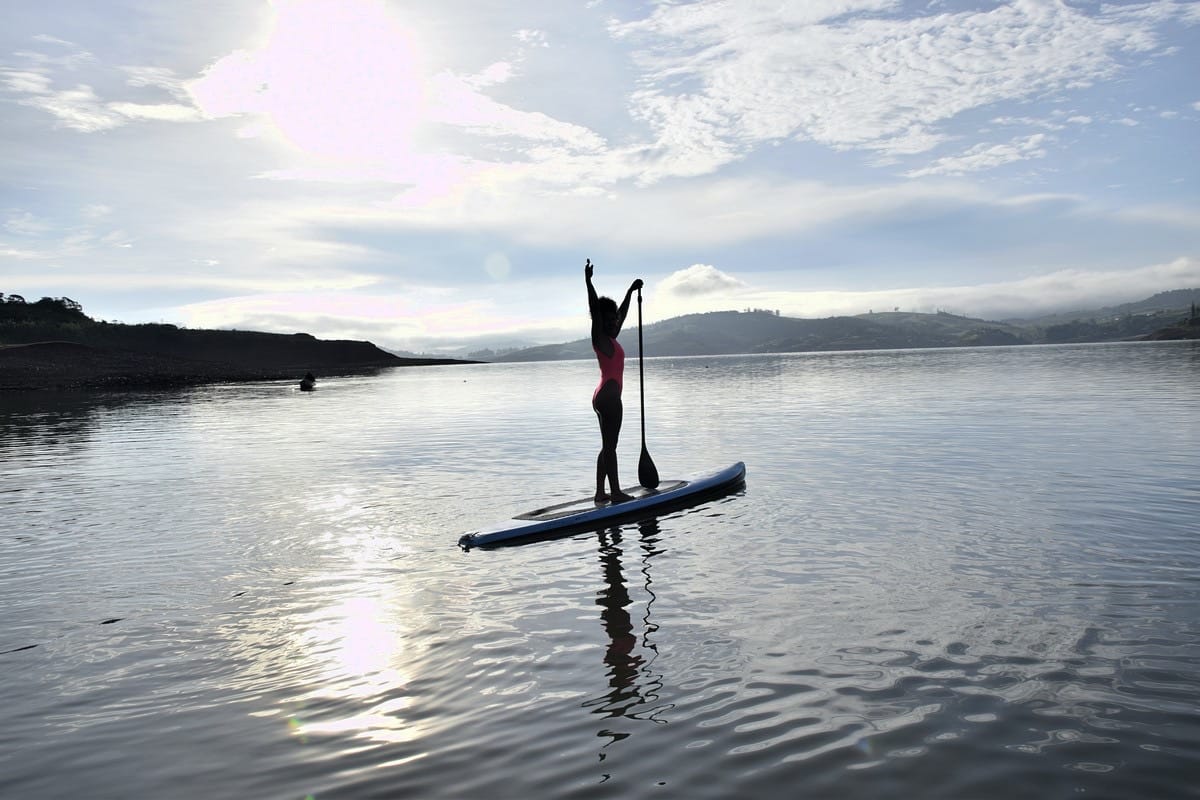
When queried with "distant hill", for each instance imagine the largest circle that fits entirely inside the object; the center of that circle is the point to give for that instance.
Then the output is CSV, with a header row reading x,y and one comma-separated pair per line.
x,y
1142,319
1176,300
730,332
51,342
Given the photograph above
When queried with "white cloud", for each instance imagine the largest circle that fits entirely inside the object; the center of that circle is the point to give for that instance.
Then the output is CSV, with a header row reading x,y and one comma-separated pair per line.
x,y
1061,290
419,320
175,280
1029,122
371,108
725,77
158,78
497,73
719,80
986,156
25,81
166,112
456,101
20,255
699,279
78,109
24,223
1186,218
718,212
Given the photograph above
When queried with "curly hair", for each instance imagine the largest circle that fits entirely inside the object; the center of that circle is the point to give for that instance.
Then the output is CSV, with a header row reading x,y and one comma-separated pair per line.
x,y
604,305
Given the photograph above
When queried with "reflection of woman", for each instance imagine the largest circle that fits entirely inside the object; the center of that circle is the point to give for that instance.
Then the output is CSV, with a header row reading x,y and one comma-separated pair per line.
x,y
607,320
633,686
615,601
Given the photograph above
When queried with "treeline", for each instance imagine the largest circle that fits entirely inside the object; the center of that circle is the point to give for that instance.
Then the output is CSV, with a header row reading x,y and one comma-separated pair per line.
x,y
15,309
63,319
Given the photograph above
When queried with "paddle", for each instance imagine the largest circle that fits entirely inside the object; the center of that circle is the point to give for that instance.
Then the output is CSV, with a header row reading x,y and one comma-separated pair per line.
x,y
647,472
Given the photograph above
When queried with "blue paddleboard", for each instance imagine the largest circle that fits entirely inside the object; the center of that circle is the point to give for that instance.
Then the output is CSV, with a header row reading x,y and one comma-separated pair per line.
x,y
585,514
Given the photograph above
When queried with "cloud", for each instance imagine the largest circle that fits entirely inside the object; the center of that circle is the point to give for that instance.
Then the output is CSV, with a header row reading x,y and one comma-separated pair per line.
x,y
1160,215
25,81
714,213
347,87
724,78
79,107
165,112
430,319
23,223
699,279
157,78
421,319
1062,290
191,279
347,84
456,101
985,156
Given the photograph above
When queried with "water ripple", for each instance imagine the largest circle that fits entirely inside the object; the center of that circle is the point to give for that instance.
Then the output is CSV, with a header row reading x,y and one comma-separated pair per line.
x,y
952,574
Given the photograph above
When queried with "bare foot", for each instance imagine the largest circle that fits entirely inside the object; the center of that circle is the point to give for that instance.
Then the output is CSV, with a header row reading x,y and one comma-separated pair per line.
x,y
620,497
600,497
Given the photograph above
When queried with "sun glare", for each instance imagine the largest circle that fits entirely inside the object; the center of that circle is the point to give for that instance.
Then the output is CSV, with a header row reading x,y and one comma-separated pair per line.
x,y
339,79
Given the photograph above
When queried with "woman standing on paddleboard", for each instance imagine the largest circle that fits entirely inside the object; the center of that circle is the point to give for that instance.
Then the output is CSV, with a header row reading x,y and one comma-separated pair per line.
x,y
607,320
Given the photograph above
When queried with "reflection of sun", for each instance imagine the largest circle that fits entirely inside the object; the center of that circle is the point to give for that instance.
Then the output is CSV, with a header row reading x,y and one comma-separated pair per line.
x,y
363,642
355,642
339,79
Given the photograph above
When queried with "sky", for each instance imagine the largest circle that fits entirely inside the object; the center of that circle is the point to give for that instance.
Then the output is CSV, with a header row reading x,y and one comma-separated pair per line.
x,y
432,176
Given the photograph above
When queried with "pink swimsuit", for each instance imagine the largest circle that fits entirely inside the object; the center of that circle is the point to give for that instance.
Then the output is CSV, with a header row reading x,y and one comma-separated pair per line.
x,y
612,368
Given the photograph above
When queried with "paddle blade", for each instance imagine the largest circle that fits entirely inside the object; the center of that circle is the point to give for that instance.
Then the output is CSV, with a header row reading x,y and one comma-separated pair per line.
x,y
647,472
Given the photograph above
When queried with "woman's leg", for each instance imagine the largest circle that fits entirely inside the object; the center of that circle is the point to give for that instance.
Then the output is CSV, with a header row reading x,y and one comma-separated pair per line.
x,y
610,412
601,497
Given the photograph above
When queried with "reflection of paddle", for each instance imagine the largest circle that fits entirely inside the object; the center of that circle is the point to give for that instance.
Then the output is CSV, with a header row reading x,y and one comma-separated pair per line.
x,y
647,472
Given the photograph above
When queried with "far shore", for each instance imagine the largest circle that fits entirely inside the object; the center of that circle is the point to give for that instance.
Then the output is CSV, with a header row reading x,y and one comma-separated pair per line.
x,y
61,365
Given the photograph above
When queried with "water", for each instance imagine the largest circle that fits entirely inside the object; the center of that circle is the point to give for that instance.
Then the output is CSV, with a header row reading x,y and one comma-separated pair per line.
x,y
951,574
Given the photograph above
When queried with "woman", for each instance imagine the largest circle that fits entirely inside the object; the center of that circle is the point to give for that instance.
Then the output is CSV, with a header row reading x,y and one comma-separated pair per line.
x,y
607,320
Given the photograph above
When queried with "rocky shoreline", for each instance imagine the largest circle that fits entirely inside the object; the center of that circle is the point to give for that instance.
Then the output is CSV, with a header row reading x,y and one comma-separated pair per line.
x,y
61,365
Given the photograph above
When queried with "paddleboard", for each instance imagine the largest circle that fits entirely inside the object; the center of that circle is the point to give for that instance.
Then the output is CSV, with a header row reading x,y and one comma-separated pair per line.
x,y
585,514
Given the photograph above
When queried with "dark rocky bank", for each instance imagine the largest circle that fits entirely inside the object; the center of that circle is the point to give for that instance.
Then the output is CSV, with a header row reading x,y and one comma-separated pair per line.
x,y
52,344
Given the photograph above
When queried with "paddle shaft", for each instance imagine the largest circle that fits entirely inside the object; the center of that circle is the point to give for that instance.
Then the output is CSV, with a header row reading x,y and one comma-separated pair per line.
x,y
641,371
647,472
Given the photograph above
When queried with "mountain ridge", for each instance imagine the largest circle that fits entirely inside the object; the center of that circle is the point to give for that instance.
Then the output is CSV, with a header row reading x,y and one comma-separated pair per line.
x,y
757,331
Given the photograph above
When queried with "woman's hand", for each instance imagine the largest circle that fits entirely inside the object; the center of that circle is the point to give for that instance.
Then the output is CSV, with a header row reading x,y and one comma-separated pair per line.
x,y
587,270
636,285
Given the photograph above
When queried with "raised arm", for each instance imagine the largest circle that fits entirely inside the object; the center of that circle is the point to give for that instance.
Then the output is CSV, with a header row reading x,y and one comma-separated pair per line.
x,y
591,290
599,340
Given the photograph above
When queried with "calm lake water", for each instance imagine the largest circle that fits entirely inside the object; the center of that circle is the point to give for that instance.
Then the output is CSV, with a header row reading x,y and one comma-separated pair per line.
x,y
952,574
